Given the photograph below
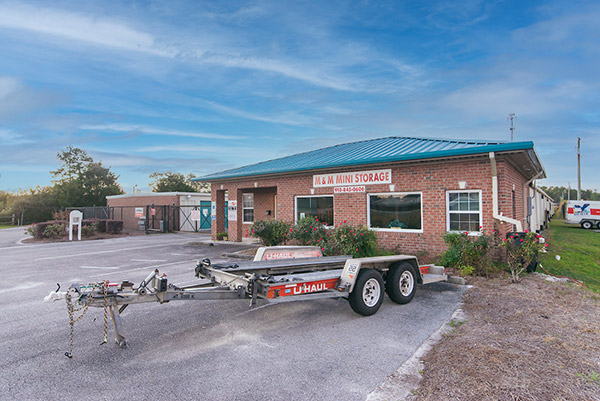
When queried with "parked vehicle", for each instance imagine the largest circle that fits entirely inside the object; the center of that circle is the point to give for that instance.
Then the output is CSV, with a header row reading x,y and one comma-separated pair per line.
x,y
586,213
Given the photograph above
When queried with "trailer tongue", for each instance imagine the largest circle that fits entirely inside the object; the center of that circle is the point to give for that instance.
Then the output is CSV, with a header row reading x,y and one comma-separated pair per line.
x,y
362,281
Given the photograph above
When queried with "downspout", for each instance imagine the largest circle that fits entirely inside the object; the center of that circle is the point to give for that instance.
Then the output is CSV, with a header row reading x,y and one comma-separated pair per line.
x,y
498,216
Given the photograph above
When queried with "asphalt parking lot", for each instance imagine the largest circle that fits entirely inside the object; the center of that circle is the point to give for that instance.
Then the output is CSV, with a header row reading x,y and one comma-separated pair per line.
x,y
211,350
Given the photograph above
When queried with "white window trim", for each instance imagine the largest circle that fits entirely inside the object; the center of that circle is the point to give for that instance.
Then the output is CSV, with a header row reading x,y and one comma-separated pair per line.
x,y
472,233
311,196
393,230
243,208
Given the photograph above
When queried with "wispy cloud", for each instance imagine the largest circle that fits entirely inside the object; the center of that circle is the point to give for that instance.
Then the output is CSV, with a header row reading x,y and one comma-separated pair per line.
x,y
17,99
79,27
325,70
285,118
141,129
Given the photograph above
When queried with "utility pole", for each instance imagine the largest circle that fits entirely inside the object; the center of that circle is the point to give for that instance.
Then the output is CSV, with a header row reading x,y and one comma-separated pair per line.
x,y
578,168
512,117
569,193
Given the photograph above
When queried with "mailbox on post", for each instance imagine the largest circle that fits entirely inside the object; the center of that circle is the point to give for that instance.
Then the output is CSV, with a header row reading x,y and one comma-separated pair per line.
x,y
75,220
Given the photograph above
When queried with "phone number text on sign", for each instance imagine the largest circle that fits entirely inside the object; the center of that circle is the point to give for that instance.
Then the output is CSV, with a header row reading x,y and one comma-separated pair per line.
x,y
346,190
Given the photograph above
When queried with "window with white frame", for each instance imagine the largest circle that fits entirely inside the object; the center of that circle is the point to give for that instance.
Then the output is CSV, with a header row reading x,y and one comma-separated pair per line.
x,y
396,211
248,207
463,210
318,206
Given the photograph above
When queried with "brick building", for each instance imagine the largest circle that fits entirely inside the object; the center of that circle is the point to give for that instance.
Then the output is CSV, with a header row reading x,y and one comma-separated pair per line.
x,y
132,209
410,191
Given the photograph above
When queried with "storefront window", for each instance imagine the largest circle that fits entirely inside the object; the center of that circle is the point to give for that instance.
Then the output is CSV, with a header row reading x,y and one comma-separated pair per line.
x,y
396,211
319,207
248,207
464,211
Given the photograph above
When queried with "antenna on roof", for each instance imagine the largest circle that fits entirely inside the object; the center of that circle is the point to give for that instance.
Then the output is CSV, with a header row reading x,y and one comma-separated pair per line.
x,y
512,117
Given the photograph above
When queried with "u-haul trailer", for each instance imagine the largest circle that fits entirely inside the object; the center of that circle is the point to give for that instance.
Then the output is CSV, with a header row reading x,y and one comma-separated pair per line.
x,y
585,213
362,281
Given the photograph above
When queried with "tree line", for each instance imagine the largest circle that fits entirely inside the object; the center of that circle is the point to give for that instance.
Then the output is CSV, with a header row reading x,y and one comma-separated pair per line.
x,y
558,193
80,181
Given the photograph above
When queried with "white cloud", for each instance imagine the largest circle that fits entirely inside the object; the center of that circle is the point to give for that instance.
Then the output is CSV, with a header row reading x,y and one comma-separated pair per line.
x,y
79,27
9,137
329,70
284,118
17,99
156,131
242,154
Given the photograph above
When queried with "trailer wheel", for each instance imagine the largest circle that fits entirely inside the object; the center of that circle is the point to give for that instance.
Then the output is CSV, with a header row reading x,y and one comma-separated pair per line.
x,y
401,283
598,225
367,296
586,224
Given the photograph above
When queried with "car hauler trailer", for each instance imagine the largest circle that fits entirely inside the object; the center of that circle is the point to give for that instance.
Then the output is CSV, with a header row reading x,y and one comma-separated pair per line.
x,y
362,281
586,213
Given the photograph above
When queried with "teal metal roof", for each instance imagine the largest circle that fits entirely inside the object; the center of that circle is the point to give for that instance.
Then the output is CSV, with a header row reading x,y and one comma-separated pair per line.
x,y
381,150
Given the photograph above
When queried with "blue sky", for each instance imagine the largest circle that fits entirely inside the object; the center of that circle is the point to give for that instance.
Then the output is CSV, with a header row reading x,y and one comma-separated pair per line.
x,y
199,87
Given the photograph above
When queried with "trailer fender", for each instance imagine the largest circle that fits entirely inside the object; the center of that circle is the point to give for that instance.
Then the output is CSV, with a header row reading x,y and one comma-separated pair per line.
x,y
381,263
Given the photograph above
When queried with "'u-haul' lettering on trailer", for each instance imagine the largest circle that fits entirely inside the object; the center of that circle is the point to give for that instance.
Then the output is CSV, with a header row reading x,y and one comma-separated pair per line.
x,y
301,288
305,289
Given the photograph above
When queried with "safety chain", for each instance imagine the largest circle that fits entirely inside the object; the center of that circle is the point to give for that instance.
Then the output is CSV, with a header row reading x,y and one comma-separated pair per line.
x,y
105,284
72,320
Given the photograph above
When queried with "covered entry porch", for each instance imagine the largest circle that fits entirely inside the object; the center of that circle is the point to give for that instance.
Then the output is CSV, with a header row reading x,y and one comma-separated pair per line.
x,y
245,206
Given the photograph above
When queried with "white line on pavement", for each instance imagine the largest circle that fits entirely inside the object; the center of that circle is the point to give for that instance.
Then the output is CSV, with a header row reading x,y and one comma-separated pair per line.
x,y
100,267
148,260
145,268
100,252
25,286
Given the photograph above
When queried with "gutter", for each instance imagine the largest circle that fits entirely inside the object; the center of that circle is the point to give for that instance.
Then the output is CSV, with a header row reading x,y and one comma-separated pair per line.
x,y
496,215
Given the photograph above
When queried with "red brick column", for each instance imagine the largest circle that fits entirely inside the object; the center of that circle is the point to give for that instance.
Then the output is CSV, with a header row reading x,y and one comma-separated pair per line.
x,y
218,224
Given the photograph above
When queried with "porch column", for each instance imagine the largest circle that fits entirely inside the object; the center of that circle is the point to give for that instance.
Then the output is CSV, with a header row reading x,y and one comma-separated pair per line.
x,y
218,223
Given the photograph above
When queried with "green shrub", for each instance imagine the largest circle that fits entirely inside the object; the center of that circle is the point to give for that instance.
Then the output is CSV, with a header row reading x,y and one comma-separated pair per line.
x,y
271,232
54,230
114,226
89,229
98,223
38,230
359,242
470,254
309,231
342,240
521,251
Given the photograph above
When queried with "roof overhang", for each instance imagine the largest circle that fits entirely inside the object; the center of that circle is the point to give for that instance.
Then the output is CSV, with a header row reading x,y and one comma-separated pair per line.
x,y
521,155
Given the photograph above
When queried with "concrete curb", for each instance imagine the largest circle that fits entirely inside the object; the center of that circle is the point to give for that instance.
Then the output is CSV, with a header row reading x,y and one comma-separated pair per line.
x,y
399,384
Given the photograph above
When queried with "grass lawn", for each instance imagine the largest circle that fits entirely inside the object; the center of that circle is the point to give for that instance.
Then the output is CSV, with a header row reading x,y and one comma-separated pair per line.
x,y
579,252
6,226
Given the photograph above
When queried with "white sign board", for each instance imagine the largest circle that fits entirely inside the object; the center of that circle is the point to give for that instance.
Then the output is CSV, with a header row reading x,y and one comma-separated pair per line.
x,y
213,208
370,177
195,215
139,212
232,210
75,219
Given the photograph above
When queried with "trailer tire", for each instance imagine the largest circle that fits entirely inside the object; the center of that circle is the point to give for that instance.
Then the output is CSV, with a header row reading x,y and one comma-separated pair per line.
x,y
586,224
367,296
401,283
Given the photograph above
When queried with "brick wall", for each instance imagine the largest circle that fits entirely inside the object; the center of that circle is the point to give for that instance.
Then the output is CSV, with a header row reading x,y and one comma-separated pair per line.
x,y
432,179
125,207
